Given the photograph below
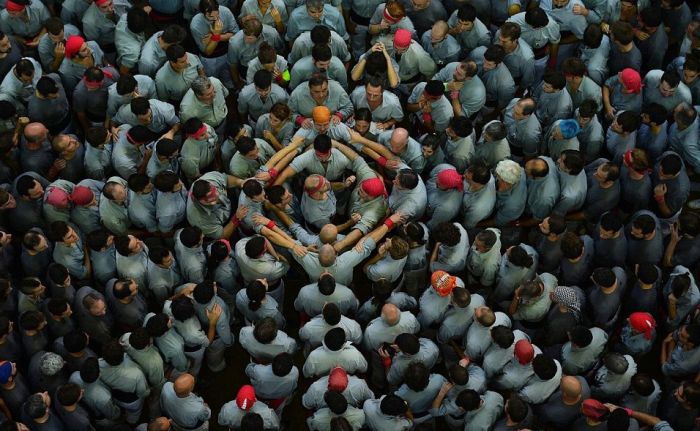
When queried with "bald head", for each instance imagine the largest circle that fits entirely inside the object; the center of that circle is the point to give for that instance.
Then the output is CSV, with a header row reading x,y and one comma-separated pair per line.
x,y
399,140
570,388
315,184
34,132
391,314
328,234
159,424
326,255
183,385
440,29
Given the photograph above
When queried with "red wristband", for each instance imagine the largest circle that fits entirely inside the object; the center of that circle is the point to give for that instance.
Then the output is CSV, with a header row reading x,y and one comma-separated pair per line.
x,y
216,37
386,362
273,173
300,119
382,161
235,220
427,117
271,224
339,115
278,78
389,223
659,198
629,411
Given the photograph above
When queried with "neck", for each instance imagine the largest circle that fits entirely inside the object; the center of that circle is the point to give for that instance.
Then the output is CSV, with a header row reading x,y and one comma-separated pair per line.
x,y
627,48
70,408
609,290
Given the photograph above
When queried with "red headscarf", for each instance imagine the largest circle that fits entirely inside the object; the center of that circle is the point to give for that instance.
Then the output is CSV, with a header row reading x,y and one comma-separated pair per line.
x,y
14,7
374,187
631,80
644,323
450,179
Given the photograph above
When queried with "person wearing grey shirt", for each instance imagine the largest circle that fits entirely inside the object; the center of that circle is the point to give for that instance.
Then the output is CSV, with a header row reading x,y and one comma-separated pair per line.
x,y
518,265
312,297
49,104
493,146
644,394
186,409
313,331
544,381
190,254
410,349
499,84
387,413
388,326
166,338
583,350
132,259
613,379
542,187
274,381
318,90
644,238
335,351
97,396
606,297
577,260
564,405
264,341
354,389
419,390
126,303
232,413
681,357
511,192
139,346
572,181
125,378
523,128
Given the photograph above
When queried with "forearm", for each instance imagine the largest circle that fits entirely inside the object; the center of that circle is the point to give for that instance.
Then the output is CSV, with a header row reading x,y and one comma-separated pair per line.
x,y
374,29
456,107
276,238
287,173
392,76
347,151
413,107
283,157
56,63
348,241
358,70
513,307
233,182
211,332
668,254
345,226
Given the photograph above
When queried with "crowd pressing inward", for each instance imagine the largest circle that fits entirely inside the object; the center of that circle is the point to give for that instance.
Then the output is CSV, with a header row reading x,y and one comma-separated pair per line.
x,y
349,215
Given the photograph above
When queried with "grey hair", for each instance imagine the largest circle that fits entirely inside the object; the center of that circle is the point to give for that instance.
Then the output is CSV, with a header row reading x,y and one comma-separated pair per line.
x,y
200,85
496,130
315,4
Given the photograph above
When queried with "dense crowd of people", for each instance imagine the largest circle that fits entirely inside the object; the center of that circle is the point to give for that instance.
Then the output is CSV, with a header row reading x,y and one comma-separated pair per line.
x,y
418,214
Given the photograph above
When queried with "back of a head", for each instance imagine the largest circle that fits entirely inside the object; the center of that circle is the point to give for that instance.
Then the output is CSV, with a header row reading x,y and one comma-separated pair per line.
x,y
393,405
417,376
604,277
544,367
573,161
331,314
615,363
334,339
502,336
265,330
336,402
643,384
469,400
619,419
282,364
408,343
326,284
581,336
